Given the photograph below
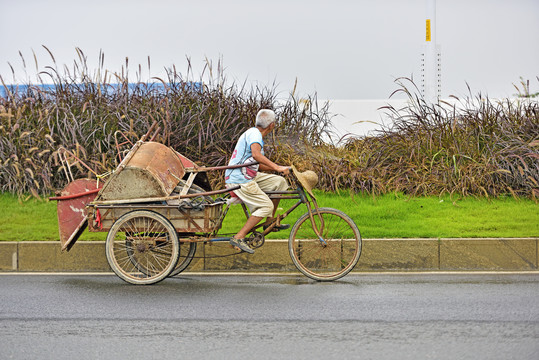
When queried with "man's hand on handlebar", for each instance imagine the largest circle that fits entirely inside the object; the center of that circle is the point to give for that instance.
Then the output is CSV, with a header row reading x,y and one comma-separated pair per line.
x,y
284,170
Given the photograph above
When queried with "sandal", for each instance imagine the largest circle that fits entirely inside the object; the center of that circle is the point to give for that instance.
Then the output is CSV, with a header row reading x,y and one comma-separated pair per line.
x,y
240,243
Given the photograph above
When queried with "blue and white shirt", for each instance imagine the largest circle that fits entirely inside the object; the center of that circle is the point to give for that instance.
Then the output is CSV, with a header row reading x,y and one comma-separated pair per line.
x,y
242,154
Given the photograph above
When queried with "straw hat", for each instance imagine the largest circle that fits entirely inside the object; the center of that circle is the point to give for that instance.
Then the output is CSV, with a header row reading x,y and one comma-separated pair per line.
x,y
308,179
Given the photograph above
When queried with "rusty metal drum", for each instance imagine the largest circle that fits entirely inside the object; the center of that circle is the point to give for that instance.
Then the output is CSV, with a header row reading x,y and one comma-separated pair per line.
x,y
152,170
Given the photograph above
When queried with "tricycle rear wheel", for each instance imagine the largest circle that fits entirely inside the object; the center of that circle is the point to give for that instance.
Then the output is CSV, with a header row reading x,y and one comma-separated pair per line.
x,y
186,255
142,247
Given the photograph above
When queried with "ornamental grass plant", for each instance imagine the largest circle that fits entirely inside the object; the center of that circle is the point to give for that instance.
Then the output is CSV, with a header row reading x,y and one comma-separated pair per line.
x,y
200,118
471,147
467,147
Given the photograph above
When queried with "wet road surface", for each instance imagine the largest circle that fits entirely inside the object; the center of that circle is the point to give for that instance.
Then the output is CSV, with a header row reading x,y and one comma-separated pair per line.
x,y
416,316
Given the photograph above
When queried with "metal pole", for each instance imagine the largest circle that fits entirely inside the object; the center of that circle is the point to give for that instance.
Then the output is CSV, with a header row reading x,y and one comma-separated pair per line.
x,y
431,68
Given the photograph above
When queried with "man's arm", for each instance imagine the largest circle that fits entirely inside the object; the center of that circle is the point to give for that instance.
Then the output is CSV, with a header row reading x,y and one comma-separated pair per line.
x,y
264,162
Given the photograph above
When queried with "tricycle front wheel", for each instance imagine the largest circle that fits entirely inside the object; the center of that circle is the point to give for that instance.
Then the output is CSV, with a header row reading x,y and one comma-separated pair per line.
x,y
330,256
142,247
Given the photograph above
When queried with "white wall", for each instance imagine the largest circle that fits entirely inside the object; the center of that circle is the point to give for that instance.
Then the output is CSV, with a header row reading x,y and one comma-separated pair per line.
x,y
361,117
364,117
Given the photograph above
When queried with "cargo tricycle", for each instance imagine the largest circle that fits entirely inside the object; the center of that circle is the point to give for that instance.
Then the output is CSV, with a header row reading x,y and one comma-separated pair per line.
x,y
157,205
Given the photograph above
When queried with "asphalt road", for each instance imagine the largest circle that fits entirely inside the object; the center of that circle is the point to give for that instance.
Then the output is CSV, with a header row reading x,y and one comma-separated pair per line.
x,y
465,316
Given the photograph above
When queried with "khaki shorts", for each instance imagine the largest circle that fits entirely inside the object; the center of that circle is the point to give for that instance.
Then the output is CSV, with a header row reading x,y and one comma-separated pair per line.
x,y
253,196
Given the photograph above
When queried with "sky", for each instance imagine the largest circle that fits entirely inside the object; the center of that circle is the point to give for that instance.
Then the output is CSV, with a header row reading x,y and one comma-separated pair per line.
x,y
338,49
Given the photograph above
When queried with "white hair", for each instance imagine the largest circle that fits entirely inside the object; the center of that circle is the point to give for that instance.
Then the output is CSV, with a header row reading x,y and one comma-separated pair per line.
x,y
265,118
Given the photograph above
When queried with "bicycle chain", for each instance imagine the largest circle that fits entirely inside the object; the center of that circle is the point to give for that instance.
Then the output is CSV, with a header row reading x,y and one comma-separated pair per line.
x,y
255,241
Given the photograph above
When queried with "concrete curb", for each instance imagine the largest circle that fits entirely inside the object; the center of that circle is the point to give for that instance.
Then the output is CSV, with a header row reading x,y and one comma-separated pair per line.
x,y
391,255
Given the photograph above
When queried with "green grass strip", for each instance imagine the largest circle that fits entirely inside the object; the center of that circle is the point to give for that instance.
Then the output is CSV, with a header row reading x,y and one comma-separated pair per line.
x,y
386,216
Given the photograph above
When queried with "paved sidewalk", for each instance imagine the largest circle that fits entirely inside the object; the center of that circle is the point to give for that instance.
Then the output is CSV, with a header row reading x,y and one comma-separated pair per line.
x,y
378,255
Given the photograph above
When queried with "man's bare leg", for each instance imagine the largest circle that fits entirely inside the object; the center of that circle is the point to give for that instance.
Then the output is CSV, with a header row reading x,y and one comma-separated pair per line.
x,y
251,222
269,220
275,205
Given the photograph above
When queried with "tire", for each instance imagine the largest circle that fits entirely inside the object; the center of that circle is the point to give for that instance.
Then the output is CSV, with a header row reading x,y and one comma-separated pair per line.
x,y
142,247
329,261
186,254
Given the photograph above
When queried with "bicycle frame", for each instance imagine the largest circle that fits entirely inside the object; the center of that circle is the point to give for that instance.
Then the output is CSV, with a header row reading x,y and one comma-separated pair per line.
x,y
298,194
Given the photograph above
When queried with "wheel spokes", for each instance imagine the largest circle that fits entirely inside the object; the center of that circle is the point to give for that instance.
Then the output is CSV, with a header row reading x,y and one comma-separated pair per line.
x,y
337,254
142,247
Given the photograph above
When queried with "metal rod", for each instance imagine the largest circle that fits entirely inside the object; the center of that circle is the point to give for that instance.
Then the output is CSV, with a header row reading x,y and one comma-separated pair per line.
x,y
220,239
143,138
155,133
245,211
200,169
63,151
215,192
282,192
316,231
163,198
281,217
220,221
73,196
285,197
